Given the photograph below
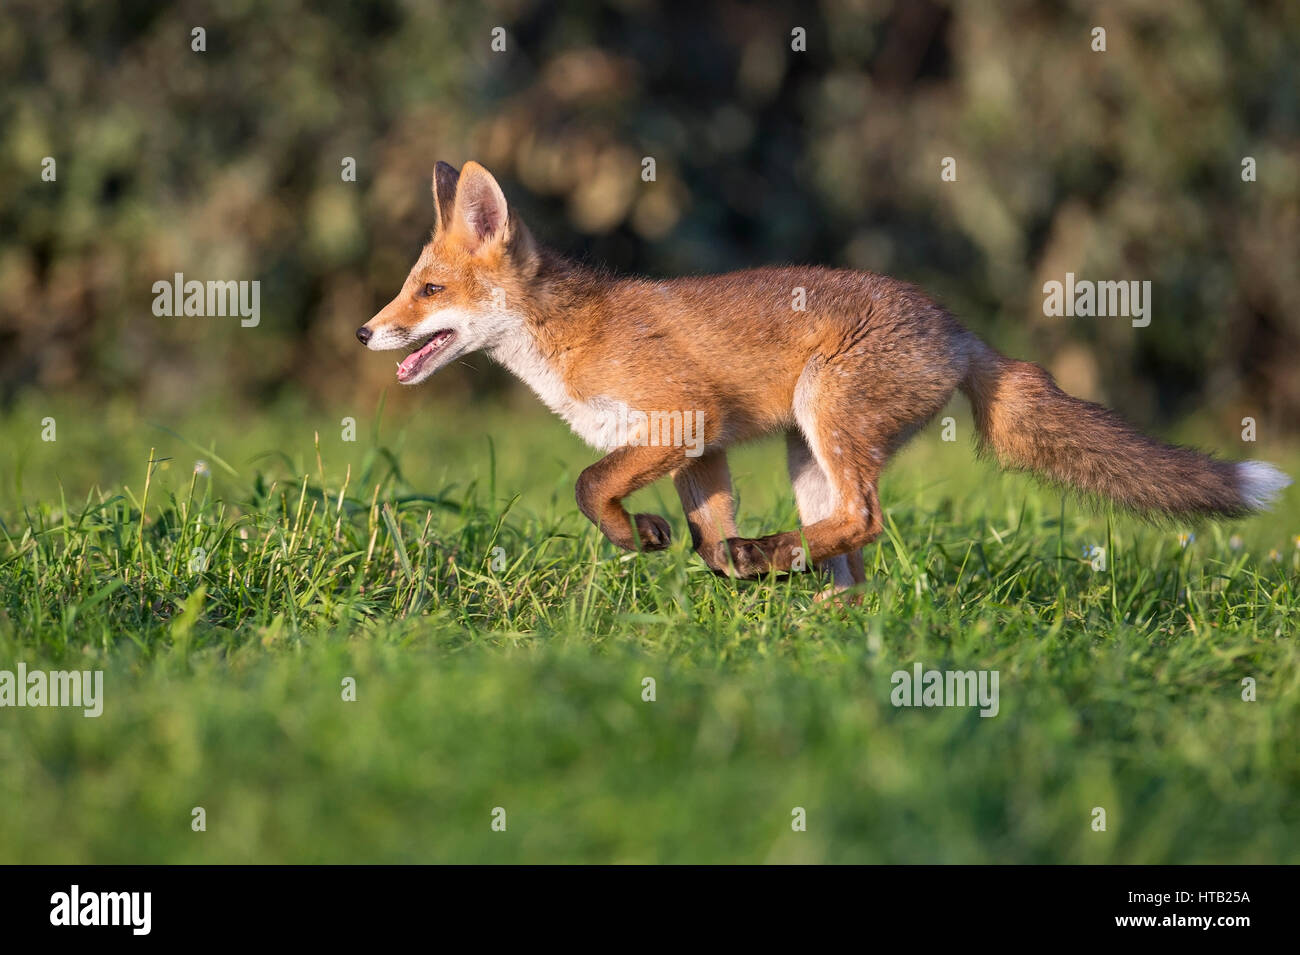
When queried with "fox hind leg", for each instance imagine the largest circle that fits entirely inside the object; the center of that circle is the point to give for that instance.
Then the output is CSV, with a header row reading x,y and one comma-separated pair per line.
x,y
852,415
816,500
844,513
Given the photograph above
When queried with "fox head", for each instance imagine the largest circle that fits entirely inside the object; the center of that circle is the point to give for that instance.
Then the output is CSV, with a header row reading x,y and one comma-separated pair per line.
x,y
465,292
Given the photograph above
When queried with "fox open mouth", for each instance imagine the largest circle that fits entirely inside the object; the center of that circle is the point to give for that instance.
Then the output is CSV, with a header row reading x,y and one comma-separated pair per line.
x,y
410,366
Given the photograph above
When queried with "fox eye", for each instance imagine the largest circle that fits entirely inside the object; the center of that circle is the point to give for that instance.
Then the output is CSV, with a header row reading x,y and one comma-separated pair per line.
x,y
430,289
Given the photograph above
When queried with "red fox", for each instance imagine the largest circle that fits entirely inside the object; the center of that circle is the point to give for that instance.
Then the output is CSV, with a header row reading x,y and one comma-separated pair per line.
x,y
665,375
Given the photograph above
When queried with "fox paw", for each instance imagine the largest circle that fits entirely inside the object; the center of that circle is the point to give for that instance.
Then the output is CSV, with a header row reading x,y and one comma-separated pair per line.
x,y
838,597
747,556
654,532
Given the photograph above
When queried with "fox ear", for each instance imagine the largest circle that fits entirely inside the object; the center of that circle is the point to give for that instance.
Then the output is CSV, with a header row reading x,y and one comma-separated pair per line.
x,y
481,214
444,193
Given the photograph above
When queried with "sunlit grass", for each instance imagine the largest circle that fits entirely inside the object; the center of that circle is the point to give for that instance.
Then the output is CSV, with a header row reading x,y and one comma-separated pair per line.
x,y
499,647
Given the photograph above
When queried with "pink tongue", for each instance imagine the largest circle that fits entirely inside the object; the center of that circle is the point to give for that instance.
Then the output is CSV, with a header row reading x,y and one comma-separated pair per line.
x,y
413,359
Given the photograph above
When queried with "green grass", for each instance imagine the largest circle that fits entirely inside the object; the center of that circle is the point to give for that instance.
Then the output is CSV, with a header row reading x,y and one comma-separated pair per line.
x,y
520,686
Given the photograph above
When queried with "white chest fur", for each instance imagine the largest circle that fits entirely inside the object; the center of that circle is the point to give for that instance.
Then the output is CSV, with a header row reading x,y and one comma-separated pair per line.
x,y
594,420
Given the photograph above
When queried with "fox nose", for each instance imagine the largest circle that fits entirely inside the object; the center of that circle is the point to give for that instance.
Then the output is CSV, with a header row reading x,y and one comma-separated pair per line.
x,y
363,334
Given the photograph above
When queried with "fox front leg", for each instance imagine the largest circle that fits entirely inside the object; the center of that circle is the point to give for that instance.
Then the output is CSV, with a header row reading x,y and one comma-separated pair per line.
x,y
704,485
603,486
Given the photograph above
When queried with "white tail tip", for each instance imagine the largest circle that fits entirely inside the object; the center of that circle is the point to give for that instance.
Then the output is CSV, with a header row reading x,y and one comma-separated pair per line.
x,y
1259,484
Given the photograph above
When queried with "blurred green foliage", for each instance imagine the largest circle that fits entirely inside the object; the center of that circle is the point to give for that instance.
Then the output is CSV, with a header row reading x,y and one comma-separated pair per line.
x,y
225,164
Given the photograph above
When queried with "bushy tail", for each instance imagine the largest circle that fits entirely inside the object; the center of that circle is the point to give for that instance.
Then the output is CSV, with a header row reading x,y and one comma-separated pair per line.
x,y
1029,423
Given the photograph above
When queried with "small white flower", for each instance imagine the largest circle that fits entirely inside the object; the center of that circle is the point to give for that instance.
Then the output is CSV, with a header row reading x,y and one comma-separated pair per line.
x,y
201,469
